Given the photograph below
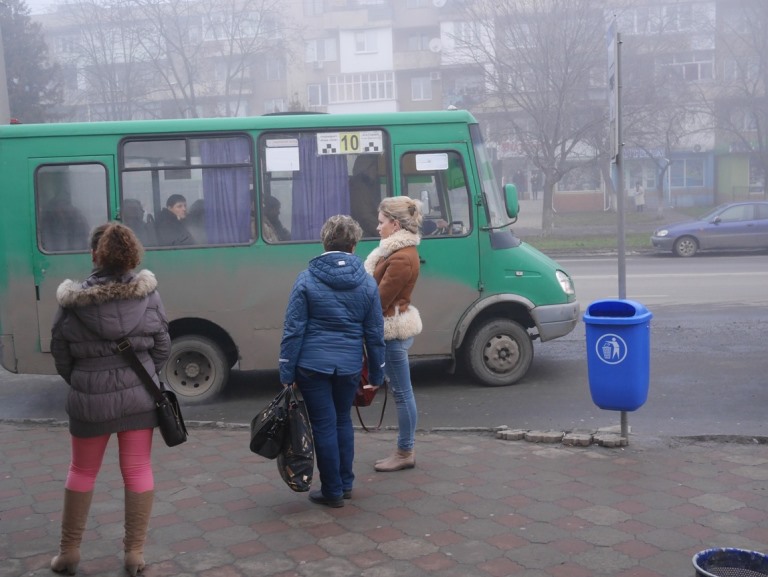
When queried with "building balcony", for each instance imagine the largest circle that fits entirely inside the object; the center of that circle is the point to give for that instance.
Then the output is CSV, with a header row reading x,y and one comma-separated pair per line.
x,y
416,59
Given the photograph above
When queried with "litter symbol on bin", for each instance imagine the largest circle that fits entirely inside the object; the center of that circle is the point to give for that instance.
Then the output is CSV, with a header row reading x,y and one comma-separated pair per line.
x,y
611,349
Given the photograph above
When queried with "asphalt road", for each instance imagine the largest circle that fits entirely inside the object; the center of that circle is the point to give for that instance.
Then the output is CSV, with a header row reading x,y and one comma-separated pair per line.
x,y
708,369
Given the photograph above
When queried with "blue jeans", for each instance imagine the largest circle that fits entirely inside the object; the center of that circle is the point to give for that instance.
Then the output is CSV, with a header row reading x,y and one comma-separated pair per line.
x,y
399,373
329,404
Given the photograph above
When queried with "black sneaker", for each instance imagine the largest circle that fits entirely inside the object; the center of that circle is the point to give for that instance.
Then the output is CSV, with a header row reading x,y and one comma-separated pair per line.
x,y
347,494
320,499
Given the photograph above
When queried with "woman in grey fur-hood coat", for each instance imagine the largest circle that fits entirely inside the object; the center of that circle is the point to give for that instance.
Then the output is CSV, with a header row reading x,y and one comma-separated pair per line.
x,y
106,395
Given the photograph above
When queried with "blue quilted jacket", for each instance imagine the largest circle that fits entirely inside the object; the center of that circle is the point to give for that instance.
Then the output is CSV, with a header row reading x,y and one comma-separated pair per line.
x,y
334,309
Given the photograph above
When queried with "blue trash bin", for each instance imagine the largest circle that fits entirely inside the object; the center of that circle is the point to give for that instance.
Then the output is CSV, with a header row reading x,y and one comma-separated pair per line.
x,y
618,353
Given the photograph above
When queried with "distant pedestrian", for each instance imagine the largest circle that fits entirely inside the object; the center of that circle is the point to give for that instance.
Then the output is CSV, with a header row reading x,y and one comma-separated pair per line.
x,y
106,396
639,196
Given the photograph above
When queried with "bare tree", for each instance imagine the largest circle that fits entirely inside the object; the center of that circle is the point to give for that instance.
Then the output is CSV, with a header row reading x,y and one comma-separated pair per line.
x,y
546,64
663,105
206,54
740,103
105,52
172,58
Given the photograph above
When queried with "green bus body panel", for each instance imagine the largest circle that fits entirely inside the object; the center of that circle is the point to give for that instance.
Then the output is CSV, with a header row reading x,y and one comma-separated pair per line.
x,y
244,289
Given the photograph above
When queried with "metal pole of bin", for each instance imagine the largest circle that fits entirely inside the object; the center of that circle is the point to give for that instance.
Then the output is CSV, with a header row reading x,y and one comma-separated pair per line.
x,y
619,155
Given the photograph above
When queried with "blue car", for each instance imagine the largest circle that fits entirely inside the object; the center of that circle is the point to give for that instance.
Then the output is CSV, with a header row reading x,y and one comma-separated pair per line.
x,y
738,225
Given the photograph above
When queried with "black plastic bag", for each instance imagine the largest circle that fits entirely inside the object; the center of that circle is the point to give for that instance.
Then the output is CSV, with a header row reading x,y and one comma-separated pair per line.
x,y
296,461
268,428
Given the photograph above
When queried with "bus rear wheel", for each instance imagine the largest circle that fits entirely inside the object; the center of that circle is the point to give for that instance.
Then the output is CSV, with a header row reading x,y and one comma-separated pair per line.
x,y
498,352
197,369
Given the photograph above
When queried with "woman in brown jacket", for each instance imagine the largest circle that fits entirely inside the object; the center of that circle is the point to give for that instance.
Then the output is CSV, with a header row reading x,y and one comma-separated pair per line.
x,y
395,266
105,394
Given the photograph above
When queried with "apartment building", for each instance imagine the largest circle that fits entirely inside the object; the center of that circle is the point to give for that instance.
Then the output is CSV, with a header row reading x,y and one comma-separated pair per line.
x,y
338,56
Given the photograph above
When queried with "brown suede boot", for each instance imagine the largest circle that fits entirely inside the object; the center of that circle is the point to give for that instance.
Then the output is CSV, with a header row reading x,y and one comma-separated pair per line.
x,y
138,509
73,519
398,460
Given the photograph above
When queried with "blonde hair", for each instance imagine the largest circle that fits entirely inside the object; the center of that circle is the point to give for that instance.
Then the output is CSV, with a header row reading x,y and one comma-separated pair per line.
x,y
405,210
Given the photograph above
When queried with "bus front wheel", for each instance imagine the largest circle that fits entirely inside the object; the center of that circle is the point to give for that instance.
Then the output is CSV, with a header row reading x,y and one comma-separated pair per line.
x,y
498,352
197,369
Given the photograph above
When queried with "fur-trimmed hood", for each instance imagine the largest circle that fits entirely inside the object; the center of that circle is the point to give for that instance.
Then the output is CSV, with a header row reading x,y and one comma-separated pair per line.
x,y
110,306
100,288
393,243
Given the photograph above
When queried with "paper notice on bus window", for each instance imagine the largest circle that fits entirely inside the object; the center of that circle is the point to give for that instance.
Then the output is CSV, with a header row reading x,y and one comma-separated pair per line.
x,y
282,159
431,162
362,142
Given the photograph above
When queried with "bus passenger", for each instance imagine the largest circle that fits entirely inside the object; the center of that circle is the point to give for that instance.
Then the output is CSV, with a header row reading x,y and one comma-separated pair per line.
x,y
195,222
62,226
105,395
170,227
395,266
273,229
333,311
365,192
133,217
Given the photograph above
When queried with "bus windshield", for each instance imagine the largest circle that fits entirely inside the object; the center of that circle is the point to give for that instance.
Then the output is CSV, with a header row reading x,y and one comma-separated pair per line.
x,y
497,215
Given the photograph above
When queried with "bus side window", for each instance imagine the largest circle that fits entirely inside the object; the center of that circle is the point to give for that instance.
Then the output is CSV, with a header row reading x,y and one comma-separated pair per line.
x,y
212,174
313,182
71,200
365,192
438,180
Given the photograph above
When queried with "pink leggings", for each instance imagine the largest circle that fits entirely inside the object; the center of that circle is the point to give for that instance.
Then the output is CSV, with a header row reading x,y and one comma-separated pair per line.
x,y
135,450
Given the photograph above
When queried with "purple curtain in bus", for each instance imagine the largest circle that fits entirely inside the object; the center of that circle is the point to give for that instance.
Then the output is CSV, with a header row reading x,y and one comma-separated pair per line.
x,y
320,190
226,191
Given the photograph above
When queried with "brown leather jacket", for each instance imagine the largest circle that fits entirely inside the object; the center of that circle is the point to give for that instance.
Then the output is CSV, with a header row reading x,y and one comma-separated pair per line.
x,y
395,266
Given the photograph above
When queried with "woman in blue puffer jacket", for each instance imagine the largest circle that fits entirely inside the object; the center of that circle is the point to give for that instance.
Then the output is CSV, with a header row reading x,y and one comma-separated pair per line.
x,y
333,310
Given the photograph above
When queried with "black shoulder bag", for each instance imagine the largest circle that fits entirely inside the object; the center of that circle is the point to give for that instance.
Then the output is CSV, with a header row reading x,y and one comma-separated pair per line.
x,y
169,418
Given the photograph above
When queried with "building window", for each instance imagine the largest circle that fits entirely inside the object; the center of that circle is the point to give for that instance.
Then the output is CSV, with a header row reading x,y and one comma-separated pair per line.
x,y
365,42
756,175
366,86
275,105
65,45
275,69
692,66
418,42
744,69
313,7
320,50
421,88
317,95
687,173
465,34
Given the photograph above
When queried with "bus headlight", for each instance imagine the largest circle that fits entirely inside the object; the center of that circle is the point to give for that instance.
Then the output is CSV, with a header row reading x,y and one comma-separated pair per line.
x,y
565,282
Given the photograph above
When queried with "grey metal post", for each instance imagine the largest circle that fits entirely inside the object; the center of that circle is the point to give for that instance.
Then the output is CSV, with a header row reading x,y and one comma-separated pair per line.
x,y
620,204
5,107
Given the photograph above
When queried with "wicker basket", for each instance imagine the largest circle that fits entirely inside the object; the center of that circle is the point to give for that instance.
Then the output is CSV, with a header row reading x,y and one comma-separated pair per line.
x,y
729,562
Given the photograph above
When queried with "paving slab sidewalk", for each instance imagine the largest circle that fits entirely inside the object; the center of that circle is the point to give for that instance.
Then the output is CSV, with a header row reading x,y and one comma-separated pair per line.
x,y
474,506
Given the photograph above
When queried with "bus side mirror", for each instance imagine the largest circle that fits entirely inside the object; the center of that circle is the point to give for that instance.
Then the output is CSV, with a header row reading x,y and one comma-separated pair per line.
x,y
510,198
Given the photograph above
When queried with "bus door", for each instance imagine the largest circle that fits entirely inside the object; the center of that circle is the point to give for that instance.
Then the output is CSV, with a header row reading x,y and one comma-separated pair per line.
x,y
71,196
449,280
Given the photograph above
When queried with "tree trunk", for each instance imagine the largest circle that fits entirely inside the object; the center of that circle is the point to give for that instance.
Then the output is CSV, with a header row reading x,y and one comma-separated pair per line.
x,y
547,214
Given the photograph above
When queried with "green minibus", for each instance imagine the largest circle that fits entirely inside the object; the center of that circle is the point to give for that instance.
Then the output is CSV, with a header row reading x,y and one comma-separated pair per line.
x,y
257,190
